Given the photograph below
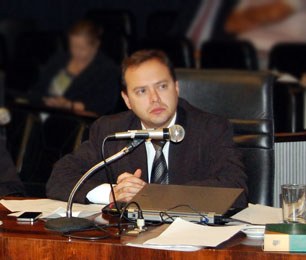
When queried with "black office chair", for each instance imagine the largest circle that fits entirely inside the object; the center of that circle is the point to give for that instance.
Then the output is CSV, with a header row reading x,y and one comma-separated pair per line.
x,y
246,99
228,55
3,53
288,104
32,51
179,50
116,46
116,21
288,57
160,23
11,29
43,143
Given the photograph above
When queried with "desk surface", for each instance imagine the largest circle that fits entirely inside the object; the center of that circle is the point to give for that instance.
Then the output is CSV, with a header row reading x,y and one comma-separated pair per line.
x,y
26,241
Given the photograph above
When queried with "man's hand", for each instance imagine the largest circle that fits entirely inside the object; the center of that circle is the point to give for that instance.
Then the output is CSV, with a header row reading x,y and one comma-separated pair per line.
x,y
127,186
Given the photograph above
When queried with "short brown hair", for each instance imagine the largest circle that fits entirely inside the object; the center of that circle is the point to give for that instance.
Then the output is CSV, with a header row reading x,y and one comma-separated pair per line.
x,y
88,29
139,57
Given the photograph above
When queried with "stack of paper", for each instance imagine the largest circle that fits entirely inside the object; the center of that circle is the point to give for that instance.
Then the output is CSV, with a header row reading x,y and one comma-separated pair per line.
x,y
187,236
49,208
260,215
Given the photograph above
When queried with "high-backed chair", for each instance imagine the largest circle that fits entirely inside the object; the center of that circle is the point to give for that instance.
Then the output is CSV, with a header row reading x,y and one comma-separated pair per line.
x,y
117,21
179,50
245,98
288,57
228,55
42,144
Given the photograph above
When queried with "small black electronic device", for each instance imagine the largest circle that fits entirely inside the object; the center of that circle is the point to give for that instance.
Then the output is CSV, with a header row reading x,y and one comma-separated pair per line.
x,y
29,216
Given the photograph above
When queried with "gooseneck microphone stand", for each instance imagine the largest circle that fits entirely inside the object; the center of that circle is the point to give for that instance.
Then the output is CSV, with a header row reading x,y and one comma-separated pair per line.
x,y
69,223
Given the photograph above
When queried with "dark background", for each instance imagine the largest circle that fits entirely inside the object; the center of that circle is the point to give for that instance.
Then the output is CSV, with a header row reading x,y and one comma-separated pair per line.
x,y
60,14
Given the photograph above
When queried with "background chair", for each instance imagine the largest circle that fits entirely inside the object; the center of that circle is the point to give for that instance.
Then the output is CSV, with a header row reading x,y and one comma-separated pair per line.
x,y
288,104
32,51
179,49
228,55
161,23
246,99
118,31
288,57
43,142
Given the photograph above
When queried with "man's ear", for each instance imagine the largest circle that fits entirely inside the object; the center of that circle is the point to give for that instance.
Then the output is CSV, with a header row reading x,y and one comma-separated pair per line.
x,y
126,99
177,87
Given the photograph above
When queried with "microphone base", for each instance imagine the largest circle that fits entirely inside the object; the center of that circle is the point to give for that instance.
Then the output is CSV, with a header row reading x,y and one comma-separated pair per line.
x,y
65,224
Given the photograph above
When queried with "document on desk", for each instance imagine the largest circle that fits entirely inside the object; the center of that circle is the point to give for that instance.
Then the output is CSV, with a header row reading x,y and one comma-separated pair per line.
x,y
182,234
260,215
50,208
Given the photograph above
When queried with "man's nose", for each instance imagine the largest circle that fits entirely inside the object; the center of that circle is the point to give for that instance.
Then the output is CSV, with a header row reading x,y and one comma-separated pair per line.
x,y
154,96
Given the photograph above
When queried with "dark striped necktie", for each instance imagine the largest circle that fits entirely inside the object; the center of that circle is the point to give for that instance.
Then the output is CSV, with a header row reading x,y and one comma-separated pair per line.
x,y
159,173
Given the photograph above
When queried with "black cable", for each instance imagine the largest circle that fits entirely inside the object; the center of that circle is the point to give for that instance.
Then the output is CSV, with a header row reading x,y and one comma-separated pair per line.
x,y
109,174
140,215
98,227
162,213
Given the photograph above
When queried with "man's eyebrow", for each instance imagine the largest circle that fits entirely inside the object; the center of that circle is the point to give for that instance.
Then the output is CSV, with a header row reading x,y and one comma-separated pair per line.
x,y
138,87
161,81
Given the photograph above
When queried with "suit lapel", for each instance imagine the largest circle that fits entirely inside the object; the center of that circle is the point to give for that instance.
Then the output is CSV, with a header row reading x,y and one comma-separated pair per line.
x,y
178,150
138,158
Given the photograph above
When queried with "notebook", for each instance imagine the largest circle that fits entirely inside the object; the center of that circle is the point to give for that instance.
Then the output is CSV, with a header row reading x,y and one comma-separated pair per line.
x,y
193,203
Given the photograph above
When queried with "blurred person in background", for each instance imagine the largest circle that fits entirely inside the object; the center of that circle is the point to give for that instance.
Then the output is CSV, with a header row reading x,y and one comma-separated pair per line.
x,y
268,22
84,79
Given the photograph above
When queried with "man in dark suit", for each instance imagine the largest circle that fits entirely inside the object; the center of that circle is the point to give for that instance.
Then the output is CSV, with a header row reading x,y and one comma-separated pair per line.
x,y
206,156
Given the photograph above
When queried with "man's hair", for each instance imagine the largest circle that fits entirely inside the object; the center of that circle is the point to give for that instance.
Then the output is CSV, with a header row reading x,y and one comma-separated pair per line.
x,y
139,57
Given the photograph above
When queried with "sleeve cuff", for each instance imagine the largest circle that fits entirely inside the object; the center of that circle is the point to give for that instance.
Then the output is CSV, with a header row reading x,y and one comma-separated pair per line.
x,y
100,194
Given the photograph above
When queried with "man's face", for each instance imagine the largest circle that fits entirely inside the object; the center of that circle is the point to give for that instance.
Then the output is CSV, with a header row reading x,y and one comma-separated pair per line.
x,y
151,93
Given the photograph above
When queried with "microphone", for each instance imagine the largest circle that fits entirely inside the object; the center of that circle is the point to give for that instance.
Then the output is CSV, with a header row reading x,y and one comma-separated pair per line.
x,y
175,134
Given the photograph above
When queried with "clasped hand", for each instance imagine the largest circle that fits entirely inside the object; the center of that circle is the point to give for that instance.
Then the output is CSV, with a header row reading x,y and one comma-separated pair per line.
x,y
127,186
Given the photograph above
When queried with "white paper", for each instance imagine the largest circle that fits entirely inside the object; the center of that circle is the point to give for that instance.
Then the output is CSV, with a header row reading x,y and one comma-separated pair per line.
x,y
184,233
49,207
164,247
260,215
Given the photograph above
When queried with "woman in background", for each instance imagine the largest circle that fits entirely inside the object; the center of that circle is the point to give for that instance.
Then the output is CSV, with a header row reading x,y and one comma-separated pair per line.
x,y
83,79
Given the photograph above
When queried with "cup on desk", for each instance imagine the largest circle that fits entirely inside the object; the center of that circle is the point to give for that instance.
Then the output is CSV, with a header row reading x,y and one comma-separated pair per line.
x,y
294,203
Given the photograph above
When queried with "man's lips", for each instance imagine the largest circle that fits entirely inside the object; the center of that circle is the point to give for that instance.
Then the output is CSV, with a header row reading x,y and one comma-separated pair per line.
x,y
157,110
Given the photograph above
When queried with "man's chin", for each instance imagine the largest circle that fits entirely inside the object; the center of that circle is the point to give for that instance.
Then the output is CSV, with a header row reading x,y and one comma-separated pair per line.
x,y
159,123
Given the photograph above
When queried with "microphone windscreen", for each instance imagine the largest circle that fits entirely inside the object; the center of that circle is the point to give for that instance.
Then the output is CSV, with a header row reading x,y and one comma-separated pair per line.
x,y
177,133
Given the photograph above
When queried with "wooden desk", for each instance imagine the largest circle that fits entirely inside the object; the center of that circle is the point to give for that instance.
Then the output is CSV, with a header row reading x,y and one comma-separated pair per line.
x,y
26,241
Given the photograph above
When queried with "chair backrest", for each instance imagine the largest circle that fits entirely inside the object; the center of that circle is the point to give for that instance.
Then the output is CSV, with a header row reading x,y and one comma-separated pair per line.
x,y
3,53
228,55
117,21
116,46
161,23
245,98
11,29
32,51
42,144
288,57
179,49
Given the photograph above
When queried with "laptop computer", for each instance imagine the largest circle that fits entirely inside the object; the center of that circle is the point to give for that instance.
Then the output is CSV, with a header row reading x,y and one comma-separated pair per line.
x,y
160,202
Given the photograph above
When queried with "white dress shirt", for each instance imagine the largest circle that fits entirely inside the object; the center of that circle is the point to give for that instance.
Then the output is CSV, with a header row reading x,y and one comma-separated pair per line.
x,y
100,194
